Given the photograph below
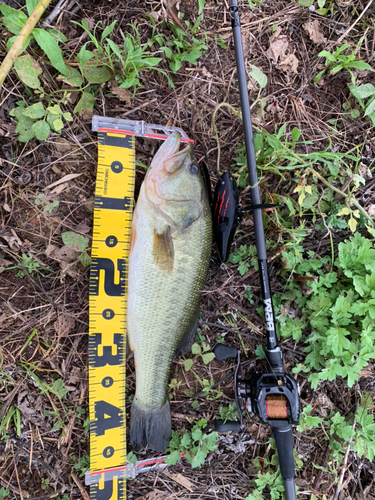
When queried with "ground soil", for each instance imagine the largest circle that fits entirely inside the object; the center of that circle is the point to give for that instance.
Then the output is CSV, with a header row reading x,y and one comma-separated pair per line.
x,y
44,313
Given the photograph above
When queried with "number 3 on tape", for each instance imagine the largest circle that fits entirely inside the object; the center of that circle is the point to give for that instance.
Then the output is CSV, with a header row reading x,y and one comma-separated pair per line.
x,y
108,305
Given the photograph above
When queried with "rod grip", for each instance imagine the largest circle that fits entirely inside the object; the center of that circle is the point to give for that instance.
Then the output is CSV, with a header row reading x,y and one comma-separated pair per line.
x,y
284,445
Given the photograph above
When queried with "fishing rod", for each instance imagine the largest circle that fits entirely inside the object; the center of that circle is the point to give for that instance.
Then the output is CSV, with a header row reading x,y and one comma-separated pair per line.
x,y
273,396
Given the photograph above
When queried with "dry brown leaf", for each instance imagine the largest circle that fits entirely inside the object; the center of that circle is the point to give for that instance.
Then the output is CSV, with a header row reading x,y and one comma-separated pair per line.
x,y
365,372
277,52
64,146
122,94
180,479
3,264
59,189
371,210
156,495
63,254
13,240
278,48
66,178
315,33
290,63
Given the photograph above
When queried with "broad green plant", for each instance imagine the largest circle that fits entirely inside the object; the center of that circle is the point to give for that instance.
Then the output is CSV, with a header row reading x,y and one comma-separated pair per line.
x,y
182,46
125,64
37,120
336,61
337,316
365,94
196,444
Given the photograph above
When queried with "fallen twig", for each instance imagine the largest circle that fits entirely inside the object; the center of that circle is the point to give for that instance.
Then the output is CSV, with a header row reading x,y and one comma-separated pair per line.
x,y
16,48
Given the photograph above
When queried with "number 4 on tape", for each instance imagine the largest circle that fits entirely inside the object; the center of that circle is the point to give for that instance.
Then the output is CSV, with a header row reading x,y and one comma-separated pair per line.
x,y
108,301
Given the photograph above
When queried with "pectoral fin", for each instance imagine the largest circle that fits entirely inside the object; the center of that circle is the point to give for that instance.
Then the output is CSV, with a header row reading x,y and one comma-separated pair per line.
x,y
162,250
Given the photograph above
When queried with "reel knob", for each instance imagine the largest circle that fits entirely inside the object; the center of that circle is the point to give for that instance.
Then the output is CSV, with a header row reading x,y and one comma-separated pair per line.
x,y
228,426
223,352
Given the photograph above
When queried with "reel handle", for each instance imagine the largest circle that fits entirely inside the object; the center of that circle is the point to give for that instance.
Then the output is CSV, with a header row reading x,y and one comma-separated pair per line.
x,y
228,426
223,352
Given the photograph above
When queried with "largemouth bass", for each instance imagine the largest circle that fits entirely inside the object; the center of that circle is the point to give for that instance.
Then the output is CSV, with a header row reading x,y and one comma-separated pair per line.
x,y
169,258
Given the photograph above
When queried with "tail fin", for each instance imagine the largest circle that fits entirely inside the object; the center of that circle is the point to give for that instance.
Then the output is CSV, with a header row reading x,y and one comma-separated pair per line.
x,y
151,428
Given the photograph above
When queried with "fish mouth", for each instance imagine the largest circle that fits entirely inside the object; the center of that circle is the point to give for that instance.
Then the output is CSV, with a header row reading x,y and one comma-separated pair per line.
x,y
169,157
175,161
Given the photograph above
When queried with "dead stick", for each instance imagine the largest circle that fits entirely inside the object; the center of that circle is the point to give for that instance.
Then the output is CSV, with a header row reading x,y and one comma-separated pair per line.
x,y
16,48
82,490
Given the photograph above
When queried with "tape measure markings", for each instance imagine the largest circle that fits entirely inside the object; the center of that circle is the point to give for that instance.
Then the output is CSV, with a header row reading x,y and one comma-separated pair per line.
x,y
113,206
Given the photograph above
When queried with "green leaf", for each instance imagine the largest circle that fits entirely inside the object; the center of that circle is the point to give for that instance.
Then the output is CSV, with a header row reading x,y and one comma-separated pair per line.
x,y
108,30
186,440
85,56
259,351
115,49
41,130
28,71
58,124
85,259
96,74
14,20
55,110
73,77
24,129
60,37
30,6
35,111
188,364
200,6
167,51
196,348
85,104
50,120
370,108
199,459
363,91
319,76
327,55
305,3
75,241
258,76
359,65
24,46
175,65
208,357
197,434
296,134
49,45
337,341
173,458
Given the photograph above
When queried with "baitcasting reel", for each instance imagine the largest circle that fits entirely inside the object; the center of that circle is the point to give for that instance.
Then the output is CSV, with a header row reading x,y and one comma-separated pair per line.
x,y
274,398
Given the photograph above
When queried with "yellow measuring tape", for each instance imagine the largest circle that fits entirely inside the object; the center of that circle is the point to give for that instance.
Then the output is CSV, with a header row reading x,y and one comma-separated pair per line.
x,y
108,305
108,300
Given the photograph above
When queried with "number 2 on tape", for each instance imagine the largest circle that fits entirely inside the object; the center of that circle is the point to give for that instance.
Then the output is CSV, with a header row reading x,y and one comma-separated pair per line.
x,y
108,308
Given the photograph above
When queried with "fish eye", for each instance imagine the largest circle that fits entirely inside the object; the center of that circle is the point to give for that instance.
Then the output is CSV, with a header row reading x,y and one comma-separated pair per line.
x,y
193,169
